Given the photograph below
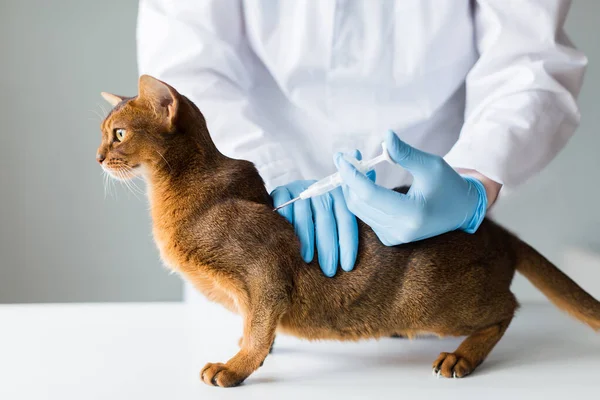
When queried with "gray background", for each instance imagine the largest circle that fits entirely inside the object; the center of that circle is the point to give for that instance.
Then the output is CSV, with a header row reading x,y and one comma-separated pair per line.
x,y
62,241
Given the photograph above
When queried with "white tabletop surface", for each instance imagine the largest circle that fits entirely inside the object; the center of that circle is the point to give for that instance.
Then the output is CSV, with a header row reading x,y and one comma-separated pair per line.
x,y
155,351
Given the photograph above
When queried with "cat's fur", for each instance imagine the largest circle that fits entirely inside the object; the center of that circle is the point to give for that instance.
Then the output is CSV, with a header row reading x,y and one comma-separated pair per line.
x,y
213,222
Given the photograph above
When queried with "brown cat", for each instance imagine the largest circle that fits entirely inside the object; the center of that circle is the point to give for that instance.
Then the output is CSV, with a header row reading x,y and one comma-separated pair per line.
x,y
213,222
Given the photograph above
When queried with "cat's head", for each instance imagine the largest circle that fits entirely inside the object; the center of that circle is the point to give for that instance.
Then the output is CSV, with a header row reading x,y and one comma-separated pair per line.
x,y
140,131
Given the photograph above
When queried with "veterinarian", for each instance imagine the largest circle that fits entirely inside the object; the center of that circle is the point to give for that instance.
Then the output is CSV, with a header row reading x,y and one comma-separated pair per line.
x,y
479,95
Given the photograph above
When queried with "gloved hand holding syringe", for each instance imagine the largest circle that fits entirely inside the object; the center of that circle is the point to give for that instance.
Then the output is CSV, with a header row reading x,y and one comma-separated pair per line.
x,y
334,180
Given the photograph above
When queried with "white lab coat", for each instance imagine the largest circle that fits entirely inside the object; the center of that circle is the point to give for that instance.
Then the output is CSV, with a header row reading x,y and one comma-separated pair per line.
x,y
489,84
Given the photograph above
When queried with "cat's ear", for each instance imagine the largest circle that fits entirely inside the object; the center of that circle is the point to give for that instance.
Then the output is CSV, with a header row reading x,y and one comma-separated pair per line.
x,y
164,98
113,99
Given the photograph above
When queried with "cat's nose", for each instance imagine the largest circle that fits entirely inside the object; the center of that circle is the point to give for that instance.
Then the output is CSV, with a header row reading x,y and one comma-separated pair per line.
x,y
100,157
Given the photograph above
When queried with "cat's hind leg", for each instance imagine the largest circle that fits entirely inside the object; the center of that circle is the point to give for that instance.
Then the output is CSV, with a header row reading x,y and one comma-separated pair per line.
x,y
471,352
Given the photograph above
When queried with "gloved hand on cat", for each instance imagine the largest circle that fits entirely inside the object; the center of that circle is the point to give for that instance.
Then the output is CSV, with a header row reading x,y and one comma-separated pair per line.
x,y
439,200
325,220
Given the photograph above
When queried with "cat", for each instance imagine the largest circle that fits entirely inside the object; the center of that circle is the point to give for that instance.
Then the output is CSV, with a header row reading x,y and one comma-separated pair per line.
x,y
213,223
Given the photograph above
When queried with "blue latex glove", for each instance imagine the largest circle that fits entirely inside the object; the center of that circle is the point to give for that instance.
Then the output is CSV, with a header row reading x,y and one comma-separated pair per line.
x,y
439,200
325,218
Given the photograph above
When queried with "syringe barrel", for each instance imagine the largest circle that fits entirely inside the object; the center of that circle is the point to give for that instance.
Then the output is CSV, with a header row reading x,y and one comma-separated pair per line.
x,y
323,186
332,181
367,165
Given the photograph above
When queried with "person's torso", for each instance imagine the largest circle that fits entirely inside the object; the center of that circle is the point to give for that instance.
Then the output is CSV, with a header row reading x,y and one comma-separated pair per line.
x,y
351,69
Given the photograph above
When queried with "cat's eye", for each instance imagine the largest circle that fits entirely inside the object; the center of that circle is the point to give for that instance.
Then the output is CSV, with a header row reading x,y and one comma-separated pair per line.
x,y
120,134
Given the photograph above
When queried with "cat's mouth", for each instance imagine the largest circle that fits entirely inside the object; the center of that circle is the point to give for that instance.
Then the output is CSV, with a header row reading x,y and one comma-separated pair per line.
x,y
123,172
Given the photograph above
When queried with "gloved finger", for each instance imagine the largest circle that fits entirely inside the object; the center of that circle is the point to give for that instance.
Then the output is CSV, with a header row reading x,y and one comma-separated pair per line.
x,y
372,175
303,225
380,224
347,229
326,233
281,195
357,154
420,164
362,210
359,184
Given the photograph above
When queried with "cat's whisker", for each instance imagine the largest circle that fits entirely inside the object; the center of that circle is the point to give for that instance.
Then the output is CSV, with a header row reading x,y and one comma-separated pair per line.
x,y
163,157
96,114
134,189
103,110
104,182
134,185
130,182
114,188
107,184
125,181
121,178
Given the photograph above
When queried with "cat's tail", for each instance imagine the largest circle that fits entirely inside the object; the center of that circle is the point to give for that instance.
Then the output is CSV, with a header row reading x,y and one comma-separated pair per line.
x,y
558,287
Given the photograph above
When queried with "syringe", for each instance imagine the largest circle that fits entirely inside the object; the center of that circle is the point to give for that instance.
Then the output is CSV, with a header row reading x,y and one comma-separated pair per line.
x,y
334,180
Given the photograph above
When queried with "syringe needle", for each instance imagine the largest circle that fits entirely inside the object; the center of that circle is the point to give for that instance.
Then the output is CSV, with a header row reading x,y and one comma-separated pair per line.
x,y
286,203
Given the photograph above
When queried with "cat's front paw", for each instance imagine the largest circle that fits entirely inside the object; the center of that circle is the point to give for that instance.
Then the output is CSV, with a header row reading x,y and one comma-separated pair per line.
x,y
451,365
219,374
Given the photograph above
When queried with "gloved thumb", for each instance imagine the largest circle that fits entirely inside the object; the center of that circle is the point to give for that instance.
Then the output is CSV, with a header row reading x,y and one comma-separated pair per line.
x,y
359,183
419,163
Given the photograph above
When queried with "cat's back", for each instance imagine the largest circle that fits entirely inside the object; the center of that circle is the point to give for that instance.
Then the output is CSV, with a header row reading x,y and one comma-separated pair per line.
x,y
409,282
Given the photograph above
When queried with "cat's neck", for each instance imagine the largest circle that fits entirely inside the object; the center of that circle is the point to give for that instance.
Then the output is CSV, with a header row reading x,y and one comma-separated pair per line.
x,y
182,171
177,195
179,182
192,175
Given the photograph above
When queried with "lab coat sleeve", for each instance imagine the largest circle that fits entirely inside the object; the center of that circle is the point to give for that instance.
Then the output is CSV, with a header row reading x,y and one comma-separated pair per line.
x,y
521,93
200,48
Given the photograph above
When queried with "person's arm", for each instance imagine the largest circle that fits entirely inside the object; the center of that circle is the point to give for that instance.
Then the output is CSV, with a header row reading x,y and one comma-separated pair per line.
x,y
521,94
520,111
200,48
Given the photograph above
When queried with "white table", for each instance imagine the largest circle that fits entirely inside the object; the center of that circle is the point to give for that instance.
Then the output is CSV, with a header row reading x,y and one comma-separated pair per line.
x,y
155,351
